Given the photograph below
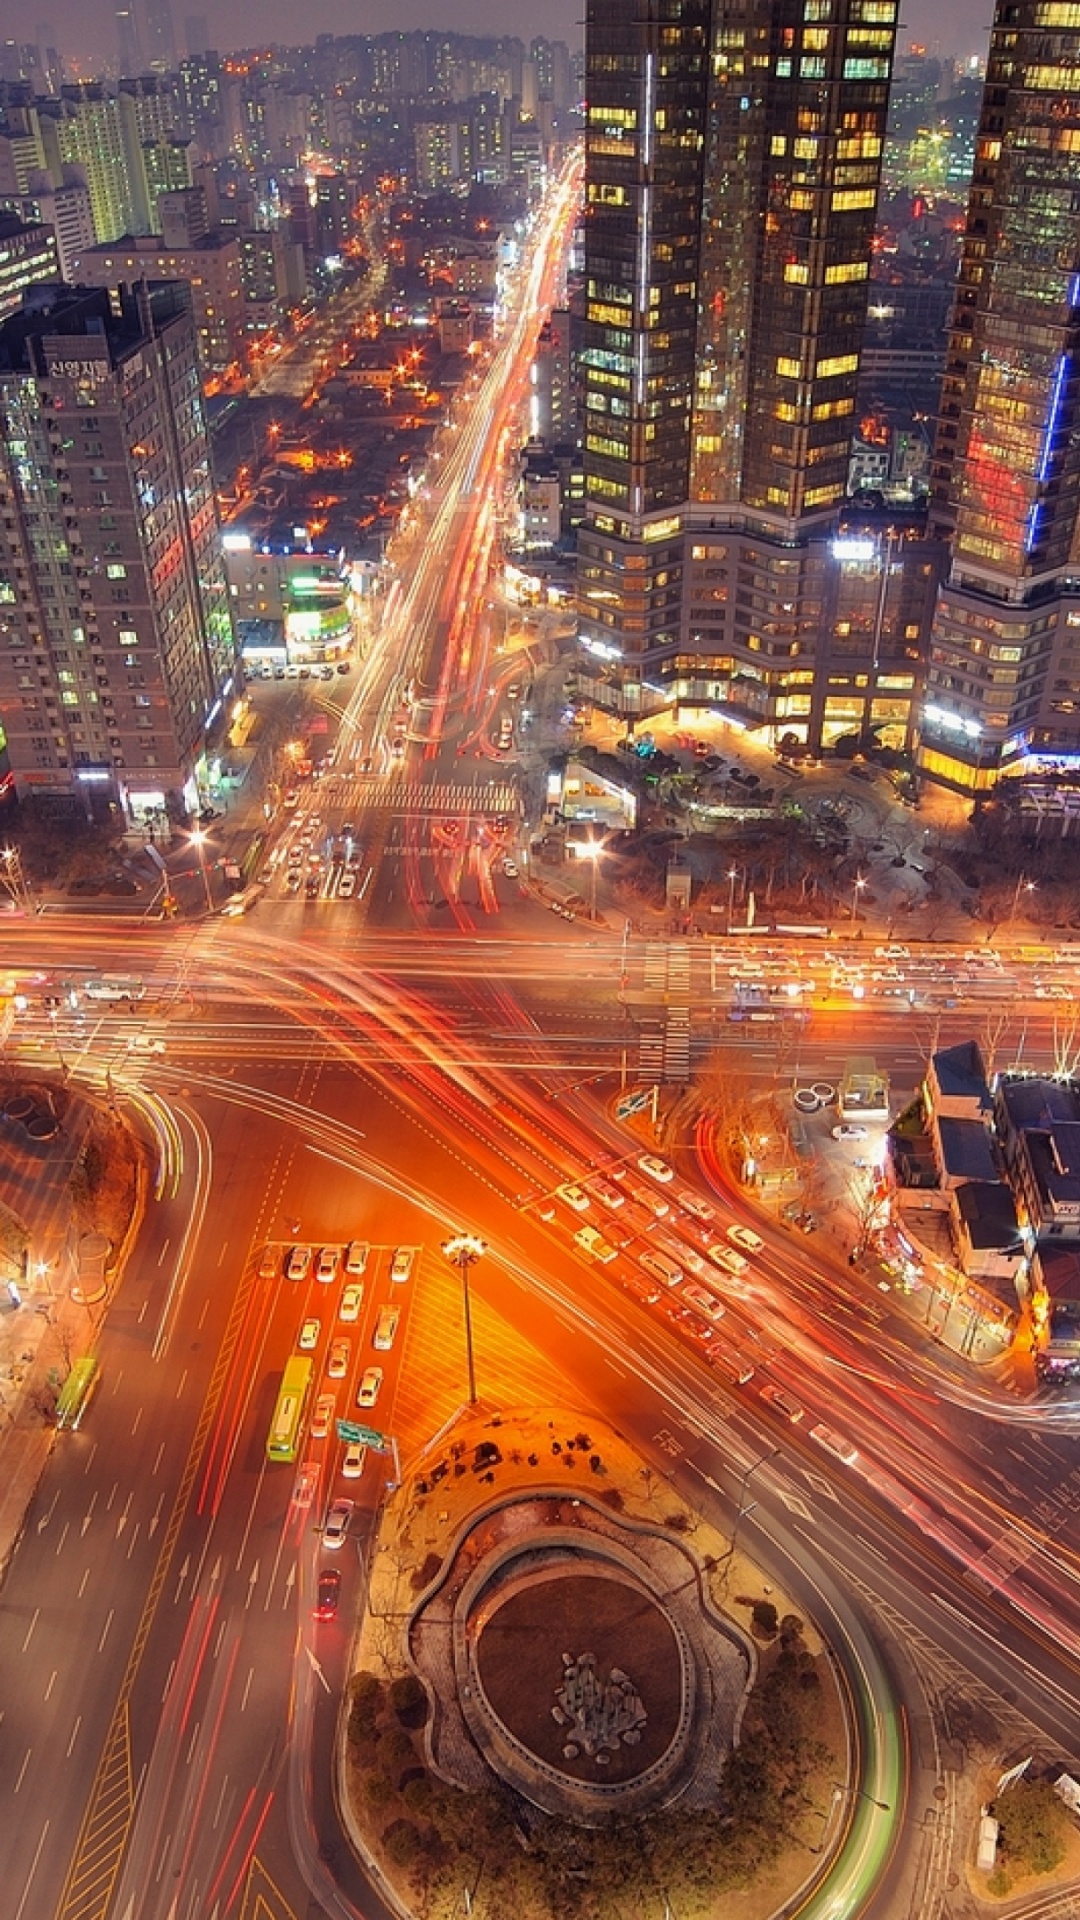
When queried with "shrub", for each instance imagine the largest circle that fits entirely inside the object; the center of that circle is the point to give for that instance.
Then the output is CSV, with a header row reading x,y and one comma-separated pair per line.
x,y
402,1842
764,1618
378,1789
408,1700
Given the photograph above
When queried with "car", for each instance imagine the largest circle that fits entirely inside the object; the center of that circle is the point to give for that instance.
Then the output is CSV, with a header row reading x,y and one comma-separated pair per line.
x,y
368,1391
784,1403
574,1196
510,868
336,1525
344,666
311,887
732,1365
356,1256
545,1209
686,1256
306,1482
654,1203
329,1593
727,1258
386,1327
346,886
401,1265
704,1302
351,1301
296,1267
608,1195
352,1465
327,1266
661,1268
292,880
592,1241
834,1442
323,1417
693,1203
746,1237
269,1263
849,1132
308,1338
656,1168
338,1364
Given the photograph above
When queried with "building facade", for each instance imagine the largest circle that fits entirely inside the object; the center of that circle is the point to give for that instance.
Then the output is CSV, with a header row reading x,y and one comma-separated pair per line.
x,y
116,642
212,269
733,160
1003,691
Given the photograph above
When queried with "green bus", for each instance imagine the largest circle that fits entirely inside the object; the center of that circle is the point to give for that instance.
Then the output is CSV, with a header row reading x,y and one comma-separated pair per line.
x,y
77,1392
284,1436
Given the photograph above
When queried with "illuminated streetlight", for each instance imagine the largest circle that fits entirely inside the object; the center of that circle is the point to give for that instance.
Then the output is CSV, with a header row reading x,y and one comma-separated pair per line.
x,y
1022,886
593,852
860,884
733,874
463,1250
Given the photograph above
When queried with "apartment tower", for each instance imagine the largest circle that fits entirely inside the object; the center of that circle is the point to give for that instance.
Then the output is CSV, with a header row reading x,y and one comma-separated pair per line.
x,y
1003,688
116,642
733,159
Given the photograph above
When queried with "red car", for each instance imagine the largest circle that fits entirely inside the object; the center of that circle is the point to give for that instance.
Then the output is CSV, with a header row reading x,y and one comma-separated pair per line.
x,y
326,1605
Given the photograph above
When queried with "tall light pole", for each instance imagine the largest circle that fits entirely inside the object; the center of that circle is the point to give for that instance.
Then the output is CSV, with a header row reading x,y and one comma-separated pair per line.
x,y
198,841
1022,886
732,876
463,1250
593,852
13,879
860,883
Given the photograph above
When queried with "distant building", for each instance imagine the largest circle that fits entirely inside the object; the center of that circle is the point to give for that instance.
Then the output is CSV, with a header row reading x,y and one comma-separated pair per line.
x,y
211,268
28,255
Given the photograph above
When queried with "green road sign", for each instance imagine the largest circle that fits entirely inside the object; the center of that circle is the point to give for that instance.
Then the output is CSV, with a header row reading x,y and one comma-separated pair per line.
x,y
352,1434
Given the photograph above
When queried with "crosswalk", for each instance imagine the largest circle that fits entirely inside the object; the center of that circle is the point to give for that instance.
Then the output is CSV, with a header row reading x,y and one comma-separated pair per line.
x,y
665,1039
391,794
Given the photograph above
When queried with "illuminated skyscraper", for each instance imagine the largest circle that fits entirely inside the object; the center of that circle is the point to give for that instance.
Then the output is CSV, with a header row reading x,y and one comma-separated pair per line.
x,y
1004,681
733,159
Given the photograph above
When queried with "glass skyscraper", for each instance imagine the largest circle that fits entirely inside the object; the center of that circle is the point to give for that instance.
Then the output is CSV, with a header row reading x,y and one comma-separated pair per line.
x,y
1004,678
733,159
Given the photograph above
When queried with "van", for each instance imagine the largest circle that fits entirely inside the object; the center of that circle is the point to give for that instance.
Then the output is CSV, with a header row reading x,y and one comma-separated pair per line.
x,y
732,1365
834,1442
704,1302
115,986
661,1268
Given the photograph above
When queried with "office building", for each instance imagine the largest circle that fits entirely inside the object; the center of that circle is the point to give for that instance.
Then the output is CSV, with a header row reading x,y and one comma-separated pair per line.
x,y
733,159
128,44
116,643
160,40
1003,688
211,268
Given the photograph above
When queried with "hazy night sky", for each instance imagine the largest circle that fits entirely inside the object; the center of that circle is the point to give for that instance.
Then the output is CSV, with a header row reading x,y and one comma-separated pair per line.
x,y
85,34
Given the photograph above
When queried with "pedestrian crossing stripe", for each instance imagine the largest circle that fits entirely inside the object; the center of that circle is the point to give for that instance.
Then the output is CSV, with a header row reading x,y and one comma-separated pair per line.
x,y
392,795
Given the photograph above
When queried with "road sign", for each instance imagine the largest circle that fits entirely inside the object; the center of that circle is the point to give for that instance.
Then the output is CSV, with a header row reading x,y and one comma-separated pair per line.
x,y
353,1434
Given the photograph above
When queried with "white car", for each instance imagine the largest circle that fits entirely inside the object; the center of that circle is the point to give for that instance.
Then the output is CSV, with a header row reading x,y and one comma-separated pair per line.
x,y
337,1523
692,1203
368,1391
347,886
351,1301
401,1265
654,1203
353,1464
338,1364
510,869
656,1168
309,1335
849,1132
356,1256
573,1196
386,1327
297,1265
327,1265
746,1237
704,1302
836,1443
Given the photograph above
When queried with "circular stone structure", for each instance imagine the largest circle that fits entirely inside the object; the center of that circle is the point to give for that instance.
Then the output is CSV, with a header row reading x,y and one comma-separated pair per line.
x,y
576,1653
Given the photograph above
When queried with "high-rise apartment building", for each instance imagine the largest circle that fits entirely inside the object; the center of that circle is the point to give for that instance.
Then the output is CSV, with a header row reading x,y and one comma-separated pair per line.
x,y
160,39
1003,689
116,641
733,160
128,45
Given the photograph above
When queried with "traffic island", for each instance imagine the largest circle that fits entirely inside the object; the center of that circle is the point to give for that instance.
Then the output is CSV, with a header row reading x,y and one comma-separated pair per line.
x,y
569,1689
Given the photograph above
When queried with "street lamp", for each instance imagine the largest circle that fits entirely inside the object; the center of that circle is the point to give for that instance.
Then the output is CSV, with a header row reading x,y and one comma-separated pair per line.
x,y
198,841
463,1250
1022,886
860,883
732,876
